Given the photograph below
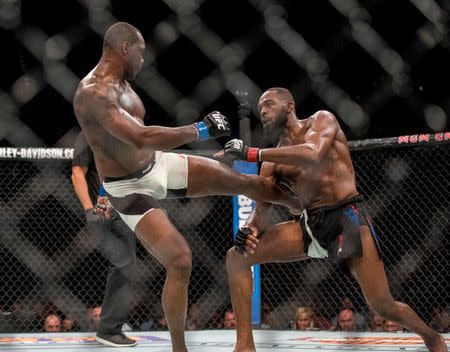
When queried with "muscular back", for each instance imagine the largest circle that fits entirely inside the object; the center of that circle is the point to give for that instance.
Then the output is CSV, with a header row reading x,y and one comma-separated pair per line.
x,y
325,174
97,102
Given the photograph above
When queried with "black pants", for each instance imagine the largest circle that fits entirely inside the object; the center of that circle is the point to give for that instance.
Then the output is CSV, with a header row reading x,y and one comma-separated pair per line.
x,y
118,246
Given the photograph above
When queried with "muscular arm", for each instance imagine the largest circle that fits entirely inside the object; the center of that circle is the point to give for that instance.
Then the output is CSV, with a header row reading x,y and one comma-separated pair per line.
x,y
81,187
259,217
126,128
318,142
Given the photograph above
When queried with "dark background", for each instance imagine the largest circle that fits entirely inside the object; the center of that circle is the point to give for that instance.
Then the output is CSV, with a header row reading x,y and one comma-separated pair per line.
x,y
407,188
183,65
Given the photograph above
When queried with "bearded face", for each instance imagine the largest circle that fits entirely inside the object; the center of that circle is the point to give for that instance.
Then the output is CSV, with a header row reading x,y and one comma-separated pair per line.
x,y
273,114
273,129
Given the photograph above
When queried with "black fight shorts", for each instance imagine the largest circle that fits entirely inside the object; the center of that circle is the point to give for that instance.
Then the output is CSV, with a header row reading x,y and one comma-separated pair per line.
x,y
333,231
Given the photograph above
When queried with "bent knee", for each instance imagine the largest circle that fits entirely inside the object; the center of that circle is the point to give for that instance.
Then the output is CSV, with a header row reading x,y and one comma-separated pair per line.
x,y
181,264
234,259
232,255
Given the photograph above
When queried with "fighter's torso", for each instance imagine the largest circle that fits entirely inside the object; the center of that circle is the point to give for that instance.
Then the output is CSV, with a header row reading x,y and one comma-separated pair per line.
x,y
112,156
324,182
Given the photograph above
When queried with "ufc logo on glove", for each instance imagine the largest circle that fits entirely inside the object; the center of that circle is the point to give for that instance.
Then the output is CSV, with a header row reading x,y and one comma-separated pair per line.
x,y
237,144
219,120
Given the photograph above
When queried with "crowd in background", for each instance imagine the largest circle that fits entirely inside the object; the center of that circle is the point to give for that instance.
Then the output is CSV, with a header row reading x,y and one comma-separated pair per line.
x,y
47,318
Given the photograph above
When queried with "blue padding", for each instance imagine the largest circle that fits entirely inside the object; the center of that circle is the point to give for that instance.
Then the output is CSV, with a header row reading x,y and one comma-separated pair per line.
x,y
203,132
101,191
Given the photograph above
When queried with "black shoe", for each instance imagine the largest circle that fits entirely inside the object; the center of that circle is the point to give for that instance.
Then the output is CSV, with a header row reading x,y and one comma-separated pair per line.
x,y
115,340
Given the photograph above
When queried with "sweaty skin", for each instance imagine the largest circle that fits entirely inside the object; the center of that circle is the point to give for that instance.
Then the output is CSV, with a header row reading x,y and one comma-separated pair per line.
x,y
113,157
111,117
311,160
316,181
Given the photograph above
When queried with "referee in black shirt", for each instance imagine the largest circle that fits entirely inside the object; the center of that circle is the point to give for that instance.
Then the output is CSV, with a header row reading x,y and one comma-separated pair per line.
x,y
118,246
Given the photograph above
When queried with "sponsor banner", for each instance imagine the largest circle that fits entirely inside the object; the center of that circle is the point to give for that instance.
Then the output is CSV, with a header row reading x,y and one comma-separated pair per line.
x,y
424,138
242,207
401,141
36,153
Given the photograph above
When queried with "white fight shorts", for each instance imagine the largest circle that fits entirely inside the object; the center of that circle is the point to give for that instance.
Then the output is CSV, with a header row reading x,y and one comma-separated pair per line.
x,y
136,194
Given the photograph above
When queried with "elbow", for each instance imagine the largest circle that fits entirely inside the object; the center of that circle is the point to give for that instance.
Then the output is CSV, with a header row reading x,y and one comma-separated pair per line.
x,y
315,154
138,141
147,137
150,138
75,172
138,144
311,157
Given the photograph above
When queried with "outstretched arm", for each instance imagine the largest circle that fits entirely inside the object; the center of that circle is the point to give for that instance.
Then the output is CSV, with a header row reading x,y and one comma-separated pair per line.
x,y
317,143
125,127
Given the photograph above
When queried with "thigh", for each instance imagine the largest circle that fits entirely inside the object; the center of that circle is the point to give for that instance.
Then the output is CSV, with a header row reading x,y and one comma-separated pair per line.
x,y
160,237
282,242
369,269
207,177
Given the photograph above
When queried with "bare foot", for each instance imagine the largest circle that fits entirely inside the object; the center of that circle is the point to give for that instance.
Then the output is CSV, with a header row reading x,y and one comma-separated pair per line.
x,y
436,344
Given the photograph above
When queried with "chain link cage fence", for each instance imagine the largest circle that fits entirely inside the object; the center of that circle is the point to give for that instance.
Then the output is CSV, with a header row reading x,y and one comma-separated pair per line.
x,y
50,262
347,56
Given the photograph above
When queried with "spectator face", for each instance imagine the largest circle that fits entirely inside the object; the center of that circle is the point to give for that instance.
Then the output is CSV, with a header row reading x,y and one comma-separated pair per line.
x,y
346,320
266,308
52,324
229,321
68,324
392,326
193,317
304,321
191,325
436,311
95,315
194,312
162,321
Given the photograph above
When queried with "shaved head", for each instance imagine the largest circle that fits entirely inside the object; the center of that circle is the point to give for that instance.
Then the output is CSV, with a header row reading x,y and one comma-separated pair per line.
x,y
119,33
124,45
